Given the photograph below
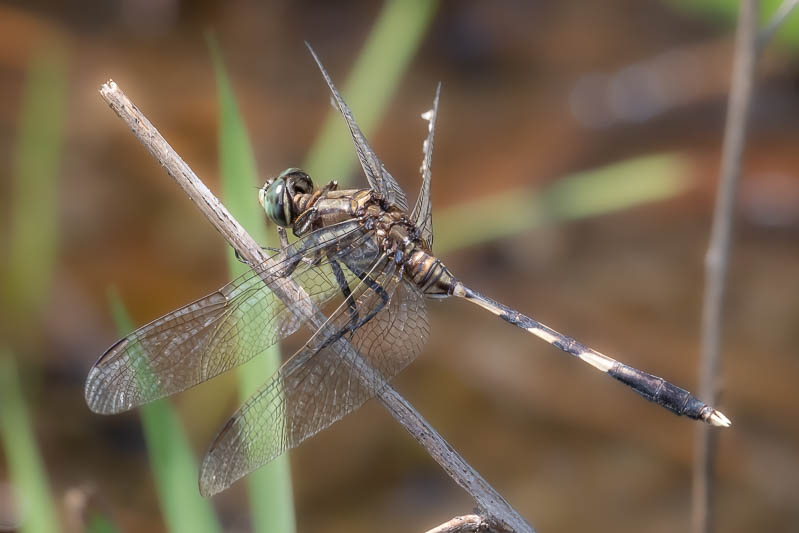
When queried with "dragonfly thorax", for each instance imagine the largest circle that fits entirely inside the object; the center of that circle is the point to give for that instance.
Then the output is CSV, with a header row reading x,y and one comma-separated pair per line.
x,y
291,201
399,238
392,232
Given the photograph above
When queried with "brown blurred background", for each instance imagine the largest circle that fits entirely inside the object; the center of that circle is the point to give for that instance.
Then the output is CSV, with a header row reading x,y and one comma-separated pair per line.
x,y
532,91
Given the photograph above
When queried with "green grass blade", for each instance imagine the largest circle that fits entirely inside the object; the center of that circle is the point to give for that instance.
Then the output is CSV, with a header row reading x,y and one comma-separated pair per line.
x,y
392,42
99,523
34,207
385,57
171,457
271,498
727,10
375,76
25,466
29,267
612,188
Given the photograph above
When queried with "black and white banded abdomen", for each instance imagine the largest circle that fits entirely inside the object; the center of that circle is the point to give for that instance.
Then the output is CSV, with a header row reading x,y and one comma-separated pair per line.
x,y
429,274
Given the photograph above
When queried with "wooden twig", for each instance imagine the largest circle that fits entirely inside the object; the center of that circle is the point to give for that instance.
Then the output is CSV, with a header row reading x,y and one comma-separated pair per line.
x,y
470,523
490,503
717,258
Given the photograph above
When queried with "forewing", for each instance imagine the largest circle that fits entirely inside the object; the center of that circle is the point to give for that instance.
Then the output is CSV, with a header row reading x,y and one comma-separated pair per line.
x,y
422,214
376,174
218,332
321,383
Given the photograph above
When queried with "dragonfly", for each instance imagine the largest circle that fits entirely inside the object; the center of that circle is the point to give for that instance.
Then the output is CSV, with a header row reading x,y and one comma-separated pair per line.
x,y
365,257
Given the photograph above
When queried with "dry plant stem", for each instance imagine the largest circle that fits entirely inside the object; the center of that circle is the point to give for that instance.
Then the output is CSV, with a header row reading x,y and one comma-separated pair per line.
x,y
497,511
463,524
717,258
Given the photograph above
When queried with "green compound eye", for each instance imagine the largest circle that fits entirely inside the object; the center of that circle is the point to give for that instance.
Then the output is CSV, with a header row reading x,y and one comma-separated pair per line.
x,y
277,204
277,197
297,180
292,170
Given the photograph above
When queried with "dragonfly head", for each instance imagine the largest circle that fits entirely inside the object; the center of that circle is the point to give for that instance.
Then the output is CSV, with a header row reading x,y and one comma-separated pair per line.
x,y
277,195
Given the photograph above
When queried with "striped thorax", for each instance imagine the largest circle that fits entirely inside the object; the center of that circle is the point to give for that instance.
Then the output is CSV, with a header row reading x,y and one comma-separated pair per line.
x,y
290,200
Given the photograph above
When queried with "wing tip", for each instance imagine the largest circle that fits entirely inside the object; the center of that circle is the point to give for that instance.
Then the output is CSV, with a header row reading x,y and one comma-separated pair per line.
x,y
207,483
96,401
89,392
210,481
96,389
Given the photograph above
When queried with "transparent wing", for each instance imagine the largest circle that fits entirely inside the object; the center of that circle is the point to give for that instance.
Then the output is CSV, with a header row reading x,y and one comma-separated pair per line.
x,y
322,383
422,214
222,330
379,178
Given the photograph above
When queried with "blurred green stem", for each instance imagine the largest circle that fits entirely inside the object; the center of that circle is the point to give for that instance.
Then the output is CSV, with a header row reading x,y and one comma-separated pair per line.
x,y
593,192
34,206
270,489
37,511
371,85
385,56
27,275
171,457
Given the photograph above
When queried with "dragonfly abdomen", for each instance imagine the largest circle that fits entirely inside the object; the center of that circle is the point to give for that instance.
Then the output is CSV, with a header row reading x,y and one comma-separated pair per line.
x,y
429,274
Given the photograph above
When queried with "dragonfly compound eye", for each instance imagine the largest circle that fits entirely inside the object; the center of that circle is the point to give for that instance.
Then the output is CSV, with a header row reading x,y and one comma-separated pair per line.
x,y
277,203
298,182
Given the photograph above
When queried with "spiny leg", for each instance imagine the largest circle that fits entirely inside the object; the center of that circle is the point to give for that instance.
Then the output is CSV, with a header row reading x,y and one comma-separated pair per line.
x,y
372,284
653,388
384,298
345,290
240,259
284,238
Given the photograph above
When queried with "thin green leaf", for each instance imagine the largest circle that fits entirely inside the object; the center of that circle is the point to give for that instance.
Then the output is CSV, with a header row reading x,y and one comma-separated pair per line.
x,y
271,498
28,273
394,39
594,192
171,457
25,466
727,11
371,85
100,524
34,207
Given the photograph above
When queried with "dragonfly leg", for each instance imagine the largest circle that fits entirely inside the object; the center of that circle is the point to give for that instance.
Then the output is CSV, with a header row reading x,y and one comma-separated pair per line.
x,y
284,239
356,323
240,259
345,290
377,288
352,328
305,221
332,186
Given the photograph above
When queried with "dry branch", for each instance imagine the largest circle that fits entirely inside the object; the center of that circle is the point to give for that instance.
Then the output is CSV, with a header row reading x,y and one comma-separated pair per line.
x,y
749,44
471,523
718,253
491,504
